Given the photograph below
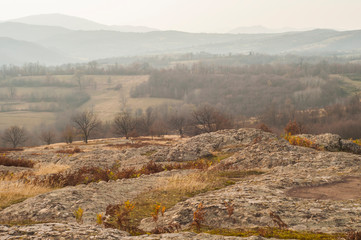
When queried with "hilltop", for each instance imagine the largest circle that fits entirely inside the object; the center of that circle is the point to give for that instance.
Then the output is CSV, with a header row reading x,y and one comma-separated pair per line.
x,y
232,182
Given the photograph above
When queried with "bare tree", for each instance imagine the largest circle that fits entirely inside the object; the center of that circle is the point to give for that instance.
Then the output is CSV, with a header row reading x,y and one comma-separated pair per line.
x,y
48,136
124,124
86,122
178,122
78,76
15,136
208,119
12,92
68,134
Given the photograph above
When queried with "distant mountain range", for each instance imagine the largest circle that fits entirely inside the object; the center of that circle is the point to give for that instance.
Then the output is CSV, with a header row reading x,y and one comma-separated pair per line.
x,y
25,42
262,29
76,23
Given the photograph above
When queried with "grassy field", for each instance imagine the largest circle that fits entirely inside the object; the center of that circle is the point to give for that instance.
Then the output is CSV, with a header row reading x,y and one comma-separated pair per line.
x,y
107,96
352,84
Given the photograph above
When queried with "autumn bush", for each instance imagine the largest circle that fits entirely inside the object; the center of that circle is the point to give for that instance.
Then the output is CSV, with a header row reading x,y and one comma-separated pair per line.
x,y
70,151
294,128
5,161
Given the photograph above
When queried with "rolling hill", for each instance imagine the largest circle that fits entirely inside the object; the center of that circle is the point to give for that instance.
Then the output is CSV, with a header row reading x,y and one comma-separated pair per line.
x,y
76,23
63,45
19,52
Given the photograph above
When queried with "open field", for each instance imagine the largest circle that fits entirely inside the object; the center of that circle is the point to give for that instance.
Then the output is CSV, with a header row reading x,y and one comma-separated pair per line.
x,y
26,118
36,97
352,84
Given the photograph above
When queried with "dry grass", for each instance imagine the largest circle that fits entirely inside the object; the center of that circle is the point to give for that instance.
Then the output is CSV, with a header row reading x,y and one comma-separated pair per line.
x,y
51,168
192,183
12,192
178,188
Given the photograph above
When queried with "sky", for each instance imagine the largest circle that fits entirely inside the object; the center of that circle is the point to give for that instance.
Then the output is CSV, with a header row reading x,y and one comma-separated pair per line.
x,y
198,15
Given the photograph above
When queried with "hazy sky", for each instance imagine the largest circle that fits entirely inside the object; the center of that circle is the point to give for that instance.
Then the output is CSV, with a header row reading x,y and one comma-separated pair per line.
x,y
198,15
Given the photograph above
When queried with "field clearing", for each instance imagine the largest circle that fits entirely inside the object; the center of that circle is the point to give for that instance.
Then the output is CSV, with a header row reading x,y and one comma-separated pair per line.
x,y
25,118
107,99
109,93
351,86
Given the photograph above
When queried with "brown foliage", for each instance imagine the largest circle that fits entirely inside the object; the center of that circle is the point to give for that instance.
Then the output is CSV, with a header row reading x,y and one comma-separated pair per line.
x,y
277,220
264,128
353,235
70,151
294,128
5,150
198,217
5,161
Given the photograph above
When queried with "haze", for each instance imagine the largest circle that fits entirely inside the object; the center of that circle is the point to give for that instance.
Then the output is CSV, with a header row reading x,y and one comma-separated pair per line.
x,y
200,15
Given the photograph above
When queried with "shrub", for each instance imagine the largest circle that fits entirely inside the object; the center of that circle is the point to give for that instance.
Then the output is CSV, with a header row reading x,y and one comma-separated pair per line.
x,y
119,216
70,151
78,214
294,128
264,128
198,217
5,161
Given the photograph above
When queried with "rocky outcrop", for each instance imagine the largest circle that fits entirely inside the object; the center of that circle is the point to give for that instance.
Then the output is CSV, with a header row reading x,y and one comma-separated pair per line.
x,y
76,231
60,231
333,143
203,145
59,205
285,168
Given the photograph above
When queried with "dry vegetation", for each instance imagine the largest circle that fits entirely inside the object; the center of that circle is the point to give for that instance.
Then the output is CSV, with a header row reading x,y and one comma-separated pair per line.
x,y
6,161
12,192
14,188
171,190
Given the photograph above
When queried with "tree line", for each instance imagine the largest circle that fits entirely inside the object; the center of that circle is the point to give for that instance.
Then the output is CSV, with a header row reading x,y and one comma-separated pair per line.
x,y
85,125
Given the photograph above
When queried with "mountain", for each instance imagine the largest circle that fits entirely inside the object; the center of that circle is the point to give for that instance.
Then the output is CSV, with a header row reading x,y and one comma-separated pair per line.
x,y
315,42
76,23
20,52
60,44
103,44
27,32
262,29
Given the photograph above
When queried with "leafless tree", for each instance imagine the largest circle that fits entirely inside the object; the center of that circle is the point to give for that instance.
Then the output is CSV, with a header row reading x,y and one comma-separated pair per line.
x,y
78,76
124,124
12,92
208,119
68,134
178,122
86,122
48,136
15,136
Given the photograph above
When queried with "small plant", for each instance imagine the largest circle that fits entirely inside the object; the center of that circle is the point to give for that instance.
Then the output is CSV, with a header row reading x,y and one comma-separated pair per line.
x,y
158,208
198,217
119,216
277,220
356,141
300,141
99,219
230,208
78,214
353,235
